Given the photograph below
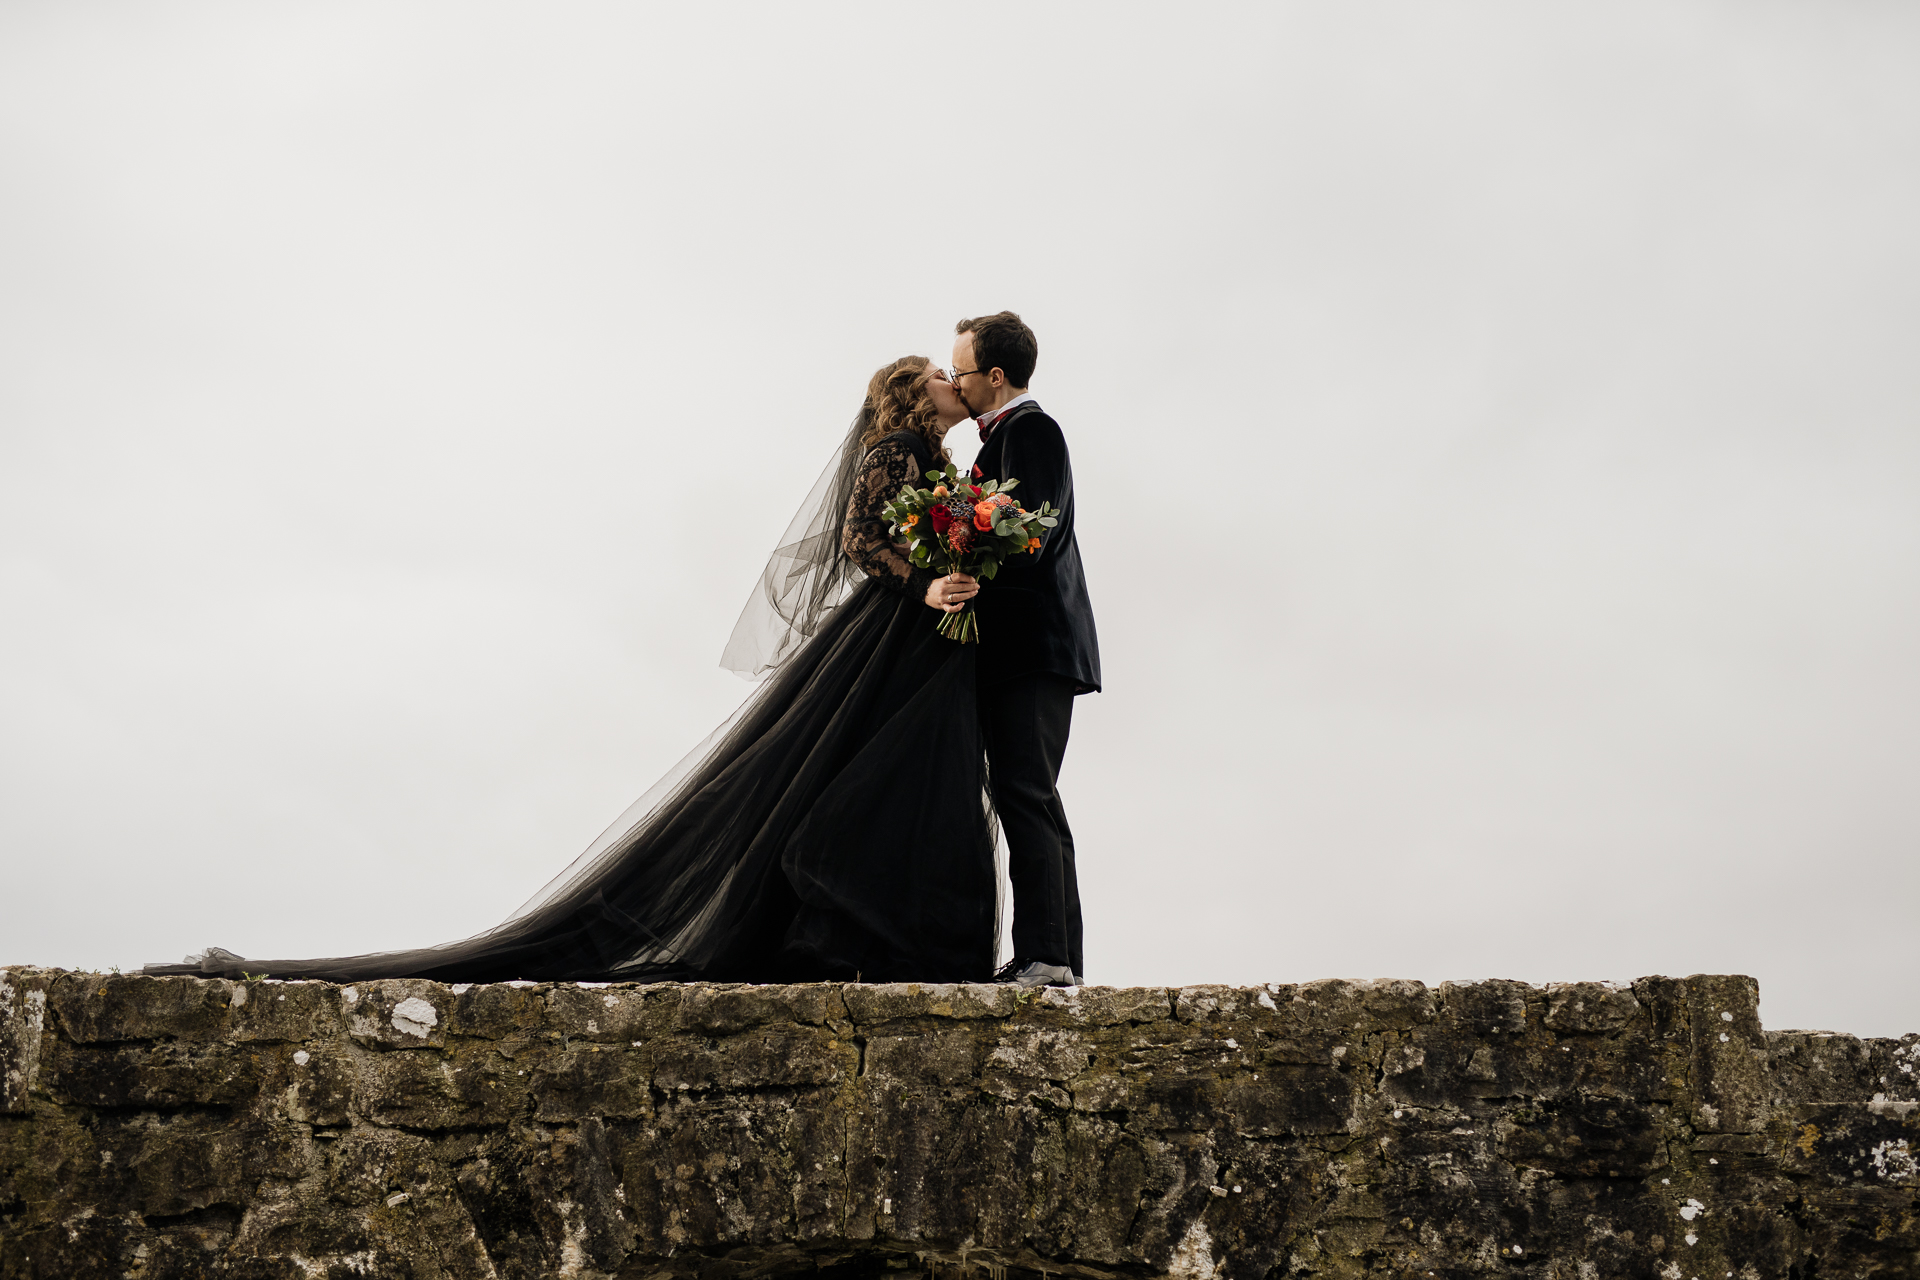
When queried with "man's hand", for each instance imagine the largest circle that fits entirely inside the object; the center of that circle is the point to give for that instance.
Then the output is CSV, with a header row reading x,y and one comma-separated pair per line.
x,y
951,593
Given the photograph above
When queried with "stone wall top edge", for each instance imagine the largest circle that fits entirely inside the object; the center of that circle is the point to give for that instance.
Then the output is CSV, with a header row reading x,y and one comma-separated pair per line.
x,y
32,970
867,1001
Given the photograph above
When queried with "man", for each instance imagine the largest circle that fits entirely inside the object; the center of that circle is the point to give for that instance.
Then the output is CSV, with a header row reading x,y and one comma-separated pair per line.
x,y
1037,648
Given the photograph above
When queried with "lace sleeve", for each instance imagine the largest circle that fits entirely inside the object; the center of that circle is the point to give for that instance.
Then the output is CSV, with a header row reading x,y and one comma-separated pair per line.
x,y
867,539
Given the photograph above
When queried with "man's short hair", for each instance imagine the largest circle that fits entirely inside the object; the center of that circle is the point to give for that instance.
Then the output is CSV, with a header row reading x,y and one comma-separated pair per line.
x,y
1002,341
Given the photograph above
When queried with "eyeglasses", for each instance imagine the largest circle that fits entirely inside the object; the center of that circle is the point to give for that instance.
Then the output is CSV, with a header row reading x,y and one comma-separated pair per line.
x,y
954,375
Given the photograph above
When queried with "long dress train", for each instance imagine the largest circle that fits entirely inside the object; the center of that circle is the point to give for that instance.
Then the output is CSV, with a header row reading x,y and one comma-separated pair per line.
x,y
837,825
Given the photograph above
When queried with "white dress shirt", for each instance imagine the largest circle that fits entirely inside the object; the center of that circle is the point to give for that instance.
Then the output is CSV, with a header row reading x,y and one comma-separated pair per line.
x,y
990,419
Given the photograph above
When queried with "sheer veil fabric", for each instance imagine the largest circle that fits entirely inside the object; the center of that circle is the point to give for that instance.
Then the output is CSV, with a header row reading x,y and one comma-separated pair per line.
x,y
807,575
835,826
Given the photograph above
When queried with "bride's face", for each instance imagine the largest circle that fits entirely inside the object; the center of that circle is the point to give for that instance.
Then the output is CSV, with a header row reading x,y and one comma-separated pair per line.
x,y
946,401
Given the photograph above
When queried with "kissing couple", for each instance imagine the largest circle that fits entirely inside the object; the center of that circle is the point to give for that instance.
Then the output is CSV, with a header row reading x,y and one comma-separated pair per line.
x,y
842,824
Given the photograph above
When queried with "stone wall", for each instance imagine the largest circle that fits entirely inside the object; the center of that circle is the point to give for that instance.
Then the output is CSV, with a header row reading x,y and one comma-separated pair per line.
x,y
164,1127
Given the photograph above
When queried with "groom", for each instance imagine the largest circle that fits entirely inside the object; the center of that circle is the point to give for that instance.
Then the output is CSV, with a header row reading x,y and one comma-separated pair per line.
x,y
1037,648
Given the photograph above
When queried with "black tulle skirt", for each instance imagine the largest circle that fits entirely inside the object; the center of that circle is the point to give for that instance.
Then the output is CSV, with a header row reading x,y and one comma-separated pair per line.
x,y
836,827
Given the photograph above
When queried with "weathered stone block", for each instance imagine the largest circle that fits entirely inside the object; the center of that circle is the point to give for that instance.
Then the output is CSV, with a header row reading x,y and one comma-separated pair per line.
x,y
612,1082
940,1056
1104,1006
158,1074
1589,1008
469,1085
1582,1137
609,1014
97,1008
871,1005
319,1083
760,1058
1290,1100
397,1013
723,1010
283,1012
23,1019
506,1011
1729,1053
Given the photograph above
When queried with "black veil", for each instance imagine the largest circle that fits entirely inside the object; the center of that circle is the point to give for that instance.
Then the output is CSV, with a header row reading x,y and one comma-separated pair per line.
x,y
836,825
807,574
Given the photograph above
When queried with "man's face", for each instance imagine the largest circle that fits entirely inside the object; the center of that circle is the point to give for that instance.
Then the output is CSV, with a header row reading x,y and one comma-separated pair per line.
x,y
974,386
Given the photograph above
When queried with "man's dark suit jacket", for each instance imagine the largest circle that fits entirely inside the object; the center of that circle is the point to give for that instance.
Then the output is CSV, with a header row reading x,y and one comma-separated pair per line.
x,y
1035,615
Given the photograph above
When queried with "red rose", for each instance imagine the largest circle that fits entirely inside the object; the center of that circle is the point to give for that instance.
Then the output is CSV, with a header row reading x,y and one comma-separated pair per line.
x,y
941,518
975,488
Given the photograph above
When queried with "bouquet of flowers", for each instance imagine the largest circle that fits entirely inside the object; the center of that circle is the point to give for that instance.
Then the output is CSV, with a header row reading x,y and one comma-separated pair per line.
x,y
958,526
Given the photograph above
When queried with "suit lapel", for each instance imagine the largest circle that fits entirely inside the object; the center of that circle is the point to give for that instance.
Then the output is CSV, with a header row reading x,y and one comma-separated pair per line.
x,y
1015,412
995,447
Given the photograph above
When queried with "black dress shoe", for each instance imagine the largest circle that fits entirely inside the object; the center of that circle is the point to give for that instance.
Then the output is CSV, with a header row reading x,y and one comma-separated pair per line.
x,y
1035,973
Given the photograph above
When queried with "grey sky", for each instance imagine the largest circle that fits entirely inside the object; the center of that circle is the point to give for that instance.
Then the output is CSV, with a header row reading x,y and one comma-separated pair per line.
x,y
397,402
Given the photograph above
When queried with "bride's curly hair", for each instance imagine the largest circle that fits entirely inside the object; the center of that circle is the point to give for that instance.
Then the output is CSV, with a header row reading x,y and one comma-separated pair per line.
x,y
898,400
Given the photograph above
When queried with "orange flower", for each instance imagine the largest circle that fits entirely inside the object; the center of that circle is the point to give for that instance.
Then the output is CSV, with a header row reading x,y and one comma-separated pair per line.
x,y
911,521
1033,545
983,515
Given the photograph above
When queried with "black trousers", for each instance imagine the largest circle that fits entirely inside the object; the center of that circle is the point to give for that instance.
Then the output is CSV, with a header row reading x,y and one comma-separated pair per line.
x,y
1025,722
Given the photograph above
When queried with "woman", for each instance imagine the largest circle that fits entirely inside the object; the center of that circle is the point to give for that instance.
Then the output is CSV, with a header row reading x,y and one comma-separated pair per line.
x,y
835,827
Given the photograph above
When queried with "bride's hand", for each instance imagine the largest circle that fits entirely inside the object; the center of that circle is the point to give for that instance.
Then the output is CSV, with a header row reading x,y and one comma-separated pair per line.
x,y
951,593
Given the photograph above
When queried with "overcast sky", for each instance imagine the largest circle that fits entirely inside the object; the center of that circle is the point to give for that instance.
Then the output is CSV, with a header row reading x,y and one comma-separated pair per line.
x,y
397,402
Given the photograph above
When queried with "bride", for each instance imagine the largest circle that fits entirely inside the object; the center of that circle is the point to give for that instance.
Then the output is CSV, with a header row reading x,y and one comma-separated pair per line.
x,y
836,826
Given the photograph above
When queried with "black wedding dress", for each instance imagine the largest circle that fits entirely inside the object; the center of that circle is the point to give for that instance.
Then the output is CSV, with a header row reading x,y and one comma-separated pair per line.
x,y
835,826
